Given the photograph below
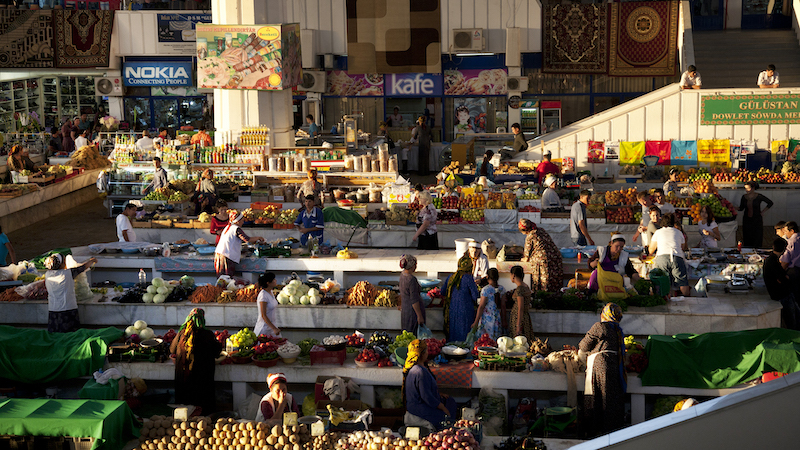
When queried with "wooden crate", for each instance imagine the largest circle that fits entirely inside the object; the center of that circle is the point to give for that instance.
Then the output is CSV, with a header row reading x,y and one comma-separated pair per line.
x,y
185,225
162,223
139,224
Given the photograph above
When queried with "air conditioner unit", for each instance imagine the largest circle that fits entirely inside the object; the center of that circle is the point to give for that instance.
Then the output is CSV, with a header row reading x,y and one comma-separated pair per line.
x,y
468,39
108,87
517,83
313,81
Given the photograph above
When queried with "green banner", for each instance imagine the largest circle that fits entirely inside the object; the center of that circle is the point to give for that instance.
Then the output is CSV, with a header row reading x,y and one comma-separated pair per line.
x,y
749,109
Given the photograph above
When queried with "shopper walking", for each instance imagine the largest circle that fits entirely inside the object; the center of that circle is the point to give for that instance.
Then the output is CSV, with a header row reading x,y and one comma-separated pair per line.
x,y
266,323
412,310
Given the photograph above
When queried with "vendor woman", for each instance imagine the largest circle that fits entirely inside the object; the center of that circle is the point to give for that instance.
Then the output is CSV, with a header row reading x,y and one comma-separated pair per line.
x,y
612,258
412,310
18,161
480,262
550,196
229,249
425,406
277,401
311,187
195,349
310,221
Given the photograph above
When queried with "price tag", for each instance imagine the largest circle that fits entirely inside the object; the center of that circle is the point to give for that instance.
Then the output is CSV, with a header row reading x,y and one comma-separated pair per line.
x,y
468,414
317,428
181,413
412,433
289,419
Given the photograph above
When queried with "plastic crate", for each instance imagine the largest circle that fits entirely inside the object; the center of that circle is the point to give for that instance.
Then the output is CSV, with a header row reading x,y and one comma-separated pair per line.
x,y
321,356
78,443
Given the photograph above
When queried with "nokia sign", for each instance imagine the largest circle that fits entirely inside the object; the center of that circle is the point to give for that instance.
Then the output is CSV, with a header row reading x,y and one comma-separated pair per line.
x,y
157,73
413,84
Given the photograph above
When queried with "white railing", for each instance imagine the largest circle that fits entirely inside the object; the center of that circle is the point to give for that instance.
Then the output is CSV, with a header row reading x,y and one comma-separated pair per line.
x,y
685,37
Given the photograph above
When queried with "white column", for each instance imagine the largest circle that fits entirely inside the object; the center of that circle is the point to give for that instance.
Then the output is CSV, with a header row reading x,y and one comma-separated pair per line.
x,y
514,115
235,109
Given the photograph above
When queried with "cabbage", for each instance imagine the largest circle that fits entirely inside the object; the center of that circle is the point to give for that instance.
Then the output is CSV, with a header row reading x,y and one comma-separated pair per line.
x,y
159,298
315,300
521,341
304,288
140,324
304,300
312,292
295,283
147,333
283,299
152,289
148,298
158,282
505,343
162,290
130,330
295,299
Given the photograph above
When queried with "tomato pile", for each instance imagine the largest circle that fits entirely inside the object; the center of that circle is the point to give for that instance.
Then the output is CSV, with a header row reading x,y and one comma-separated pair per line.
x,y
367,355
222,336
354,340
278,341
385,363
434,347
169,336
484,341
265,347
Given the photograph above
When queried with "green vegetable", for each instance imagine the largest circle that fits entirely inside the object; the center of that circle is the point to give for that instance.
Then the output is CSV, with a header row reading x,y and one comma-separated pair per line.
x,y
306,345
643,286
27,278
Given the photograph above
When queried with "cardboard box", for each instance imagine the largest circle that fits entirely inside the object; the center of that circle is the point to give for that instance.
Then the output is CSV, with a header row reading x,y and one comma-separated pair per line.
x,y
139,224
319,385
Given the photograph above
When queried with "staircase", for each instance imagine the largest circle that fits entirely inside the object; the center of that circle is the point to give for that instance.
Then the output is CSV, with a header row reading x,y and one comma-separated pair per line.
x,y
733,59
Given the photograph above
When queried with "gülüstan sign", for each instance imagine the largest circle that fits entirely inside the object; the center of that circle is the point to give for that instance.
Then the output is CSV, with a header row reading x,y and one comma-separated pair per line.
x,y
749,109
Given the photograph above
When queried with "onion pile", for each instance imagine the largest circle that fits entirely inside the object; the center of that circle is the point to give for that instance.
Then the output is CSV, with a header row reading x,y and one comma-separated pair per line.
x,y
326,441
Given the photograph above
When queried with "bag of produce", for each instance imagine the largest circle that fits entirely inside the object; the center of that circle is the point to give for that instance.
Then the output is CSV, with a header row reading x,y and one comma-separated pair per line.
x,y
424,332
489,248
493,410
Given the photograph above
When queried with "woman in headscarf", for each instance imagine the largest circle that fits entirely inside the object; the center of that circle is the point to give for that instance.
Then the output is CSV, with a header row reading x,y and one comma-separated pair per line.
x,y
19,161
277,401
520,321
461,296
425,406
412,311
485,169
62,306
606,379
195,349
229,247
547,270
612,258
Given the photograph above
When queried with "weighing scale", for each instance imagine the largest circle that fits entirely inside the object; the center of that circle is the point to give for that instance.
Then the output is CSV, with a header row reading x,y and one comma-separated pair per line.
x,y
651,172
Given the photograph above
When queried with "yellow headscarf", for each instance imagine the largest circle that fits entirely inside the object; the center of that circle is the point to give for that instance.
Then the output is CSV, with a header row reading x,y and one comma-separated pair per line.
x,y
415,349
611,313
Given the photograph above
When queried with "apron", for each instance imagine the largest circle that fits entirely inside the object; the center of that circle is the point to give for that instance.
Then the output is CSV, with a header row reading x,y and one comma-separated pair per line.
x,y
229,245
587,387
268,398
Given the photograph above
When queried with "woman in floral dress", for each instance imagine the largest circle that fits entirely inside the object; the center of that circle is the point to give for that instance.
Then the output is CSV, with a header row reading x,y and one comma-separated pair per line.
x,y
487,319
547,272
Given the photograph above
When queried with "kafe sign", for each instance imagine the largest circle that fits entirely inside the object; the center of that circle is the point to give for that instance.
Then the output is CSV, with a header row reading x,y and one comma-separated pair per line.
x,y
413,84
157,73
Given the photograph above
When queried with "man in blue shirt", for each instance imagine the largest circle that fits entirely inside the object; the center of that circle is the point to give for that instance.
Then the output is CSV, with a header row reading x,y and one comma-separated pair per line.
x,y
310,221
313,128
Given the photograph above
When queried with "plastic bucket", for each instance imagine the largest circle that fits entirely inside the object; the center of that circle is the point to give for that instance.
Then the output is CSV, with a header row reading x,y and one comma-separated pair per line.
x,y
462,245
661,283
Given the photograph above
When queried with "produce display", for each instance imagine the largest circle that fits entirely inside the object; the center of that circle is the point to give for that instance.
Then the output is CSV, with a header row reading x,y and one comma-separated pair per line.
x,y
622,197
244,338
362,294
450,202
297,293
346,254
472,215
502,200
620,215
334,339
139,331
88,157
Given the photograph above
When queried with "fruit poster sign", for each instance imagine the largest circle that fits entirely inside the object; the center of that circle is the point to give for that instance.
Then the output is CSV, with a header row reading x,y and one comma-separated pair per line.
x,y
259,57
749,109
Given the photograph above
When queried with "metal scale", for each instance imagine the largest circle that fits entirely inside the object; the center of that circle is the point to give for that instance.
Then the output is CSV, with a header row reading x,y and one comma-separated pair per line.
x,y
651,172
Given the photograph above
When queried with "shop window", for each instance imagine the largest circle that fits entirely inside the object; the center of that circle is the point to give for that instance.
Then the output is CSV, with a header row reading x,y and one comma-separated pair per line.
x,y
486,113
371,108
137,113
153,112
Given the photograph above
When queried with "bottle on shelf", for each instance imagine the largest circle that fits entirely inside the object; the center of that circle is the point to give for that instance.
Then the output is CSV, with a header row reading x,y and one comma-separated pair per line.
x,y
142,276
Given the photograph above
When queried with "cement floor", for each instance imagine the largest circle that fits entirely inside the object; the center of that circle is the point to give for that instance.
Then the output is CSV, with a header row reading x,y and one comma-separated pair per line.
x,y
86,224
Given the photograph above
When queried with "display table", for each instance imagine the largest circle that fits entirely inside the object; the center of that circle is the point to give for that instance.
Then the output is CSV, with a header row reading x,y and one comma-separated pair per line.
x,y
240,375
110,423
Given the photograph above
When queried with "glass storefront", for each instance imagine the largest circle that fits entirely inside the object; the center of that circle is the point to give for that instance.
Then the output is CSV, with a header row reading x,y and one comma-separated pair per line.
x,y
156,107
370,107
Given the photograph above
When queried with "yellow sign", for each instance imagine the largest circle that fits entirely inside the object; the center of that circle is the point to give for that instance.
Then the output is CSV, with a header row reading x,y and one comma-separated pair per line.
x,y
269,33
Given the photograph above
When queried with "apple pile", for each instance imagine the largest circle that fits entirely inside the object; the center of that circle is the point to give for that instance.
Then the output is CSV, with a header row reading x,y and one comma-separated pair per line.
x,y
704,186
620,215
472,215
767,176
621,197
222,336
743,175
450,202
355,340
529,209
483,341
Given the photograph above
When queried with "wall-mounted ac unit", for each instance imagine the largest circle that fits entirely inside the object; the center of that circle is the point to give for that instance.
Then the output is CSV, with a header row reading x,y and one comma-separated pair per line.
x,y
517,83
468,39
313,81
108,87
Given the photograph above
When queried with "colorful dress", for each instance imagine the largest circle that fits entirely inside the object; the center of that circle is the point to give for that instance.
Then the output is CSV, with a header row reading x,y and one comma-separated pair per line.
x,y
527,327
490,319
547,272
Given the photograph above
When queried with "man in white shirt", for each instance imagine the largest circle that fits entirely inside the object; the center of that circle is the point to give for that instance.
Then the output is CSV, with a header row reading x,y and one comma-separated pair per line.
x,y
691,79
146,142
658,200
82,140
125,231
769,78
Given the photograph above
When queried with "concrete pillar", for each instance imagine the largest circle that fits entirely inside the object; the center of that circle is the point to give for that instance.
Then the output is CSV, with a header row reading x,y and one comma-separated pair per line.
x,y
514,115
236,109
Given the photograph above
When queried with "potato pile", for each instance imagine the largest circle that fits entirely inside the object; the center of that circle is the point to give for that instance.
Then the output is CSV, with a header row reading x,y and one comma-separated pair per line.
x,y
325,442
197,433
165,433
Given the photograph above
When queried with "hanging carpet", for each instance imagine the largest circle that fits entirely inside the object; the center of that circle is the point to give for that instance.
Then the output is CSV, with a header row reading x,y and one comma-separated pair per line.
x,y
82,38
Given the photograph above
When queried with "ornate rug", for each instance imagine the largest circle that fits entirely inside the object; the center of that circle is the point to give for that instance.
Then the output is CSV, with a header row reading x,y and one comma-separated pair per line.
x,y
393,36
643,38
26,39
574,38
82,38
